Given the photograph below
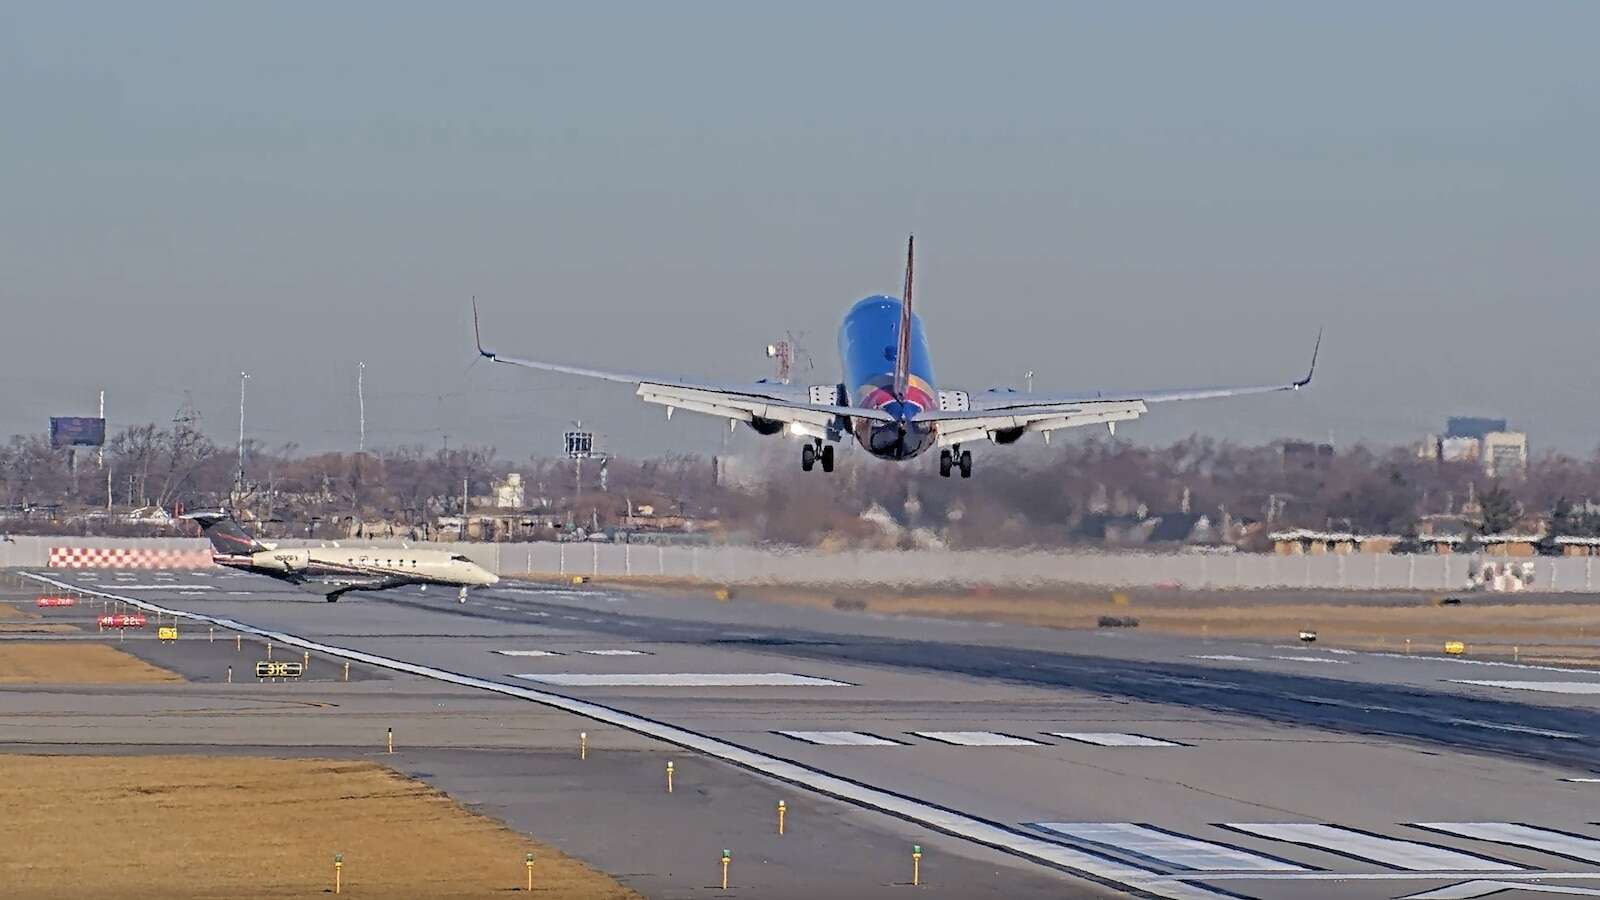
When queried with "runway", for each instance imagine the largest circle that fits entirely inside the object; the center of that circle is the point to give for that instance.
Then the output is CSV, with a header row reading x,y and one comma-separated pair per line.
x,y
1150,765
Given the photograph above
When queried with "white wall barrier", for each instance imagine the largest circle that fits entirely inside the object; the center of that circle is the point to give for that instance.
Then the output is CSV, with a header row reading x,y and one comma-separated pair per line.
x,y
931,568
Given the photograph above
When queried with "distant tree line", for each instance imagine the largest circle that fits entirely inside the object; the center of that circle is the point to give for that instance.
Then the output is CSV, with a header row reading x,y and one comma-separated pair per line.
x,y
1093,490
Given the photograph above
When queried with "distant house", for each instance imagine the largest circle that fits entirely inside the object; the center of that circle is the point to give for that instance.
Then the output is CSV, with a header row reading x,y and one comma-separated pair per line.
x,y
1569,545
1305,542
1510,544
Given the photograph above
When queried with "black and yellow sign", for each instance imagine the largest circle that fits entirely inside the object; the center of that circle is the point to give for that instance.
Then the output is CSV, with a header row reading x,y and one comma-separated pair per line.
x,y
167,633
270,669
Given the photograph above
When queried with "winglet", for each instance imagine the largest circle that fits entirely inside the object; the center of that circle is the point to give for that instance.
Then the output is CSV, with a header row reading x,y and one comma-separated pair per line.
x,y
476,334
1315,349
902,356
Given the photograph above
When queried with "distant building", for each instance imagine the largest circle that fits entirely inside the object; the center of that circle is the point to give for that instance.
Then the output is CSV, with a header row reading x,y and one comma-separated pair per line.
x,y
1505,453
1306,455
1460,449
1475,427
510,493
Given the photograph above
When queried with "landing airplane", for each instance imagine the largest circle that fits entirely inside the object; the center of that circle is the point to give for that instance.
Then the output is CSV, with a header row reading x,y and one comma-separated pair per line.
x,y
335,571
888,400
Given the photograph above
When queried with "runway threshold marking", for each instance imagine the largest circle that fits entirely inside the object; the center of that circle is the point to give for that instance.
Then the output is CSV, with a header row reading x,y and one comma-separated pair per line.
x,y
840,738
1545,840
1169,848
681,679
977,739
1114,739
1140,880
1395,853
1547,687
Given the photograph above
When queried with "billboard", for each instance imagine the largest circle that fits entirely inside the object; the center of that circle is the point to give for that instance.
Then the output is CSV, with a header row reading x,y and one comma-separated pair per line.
x,y
77,431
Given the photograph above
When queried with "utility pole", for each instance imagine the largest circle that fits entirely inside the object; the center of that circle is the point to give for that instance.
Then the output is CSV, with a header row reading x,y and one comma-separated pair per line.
x,y
463,507
100,457
1029,376
361,402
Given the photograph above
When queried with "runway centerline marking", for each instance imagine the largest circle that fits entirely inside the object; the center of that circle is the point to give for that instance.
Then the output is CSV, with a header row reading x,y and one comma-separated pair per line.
x,y
527,653
978,739
681,679
840,738
1395,853
1518,729
613,652
1548,687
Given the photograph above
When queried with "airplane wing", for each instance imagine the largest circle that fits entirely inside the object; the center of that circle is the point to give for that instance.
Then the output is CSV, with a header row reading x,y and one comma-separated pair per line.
x,y
770,401
991,412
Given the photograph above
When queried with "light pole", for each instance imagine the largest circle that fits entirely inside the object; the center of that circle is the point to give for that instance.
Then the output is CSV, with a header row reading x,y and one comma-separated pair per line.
x,y
361,402
243,377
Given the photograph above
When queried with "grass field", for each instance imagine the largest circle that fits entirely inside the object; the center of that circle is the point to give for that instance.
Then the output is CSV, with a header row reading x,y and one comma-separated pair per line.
x,y
1534,629
60,662
184,828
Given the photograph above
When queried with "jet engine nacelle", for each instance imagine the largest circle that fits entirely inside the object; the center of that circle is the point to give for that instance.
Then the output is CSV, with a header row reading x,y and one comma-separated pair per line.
x,y
765,426
282,560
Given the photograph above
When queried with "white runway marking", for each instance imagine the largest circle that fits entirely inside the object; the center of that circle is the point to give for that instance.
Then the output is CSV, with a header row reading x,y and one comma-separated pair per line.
x,y
841,738
1583,780
527,653
238,593
1314,659
166,587
1559,843
616,652
1171,849
1224,657
682,679
977,738
1113,739
1385,851
1548,687
1518,729
1471,890
948,821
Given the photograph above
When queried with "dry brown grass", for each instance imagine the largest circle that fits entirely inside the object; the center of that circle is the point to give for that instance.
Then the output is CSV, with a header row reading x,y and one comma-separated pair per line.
x,y
59,662
164,828
11,613
1539,631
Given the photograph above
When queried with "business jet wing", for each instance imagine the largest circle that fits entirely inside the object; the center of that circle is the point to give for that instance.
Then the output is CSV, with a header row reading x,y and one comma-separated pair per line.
x,y
767,400
996,411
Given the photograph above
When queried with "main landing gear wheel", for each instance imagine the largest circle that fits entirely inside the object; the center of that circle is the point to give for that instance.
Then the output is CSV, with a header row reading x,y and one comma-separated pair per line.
x,y
808,457
827,458
945,462
966,464
463,597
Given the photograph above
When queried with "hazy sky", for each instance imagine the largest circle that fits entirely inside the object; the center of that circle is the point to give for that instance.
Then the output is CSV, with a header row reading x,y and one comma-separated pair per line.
x,y
1110,194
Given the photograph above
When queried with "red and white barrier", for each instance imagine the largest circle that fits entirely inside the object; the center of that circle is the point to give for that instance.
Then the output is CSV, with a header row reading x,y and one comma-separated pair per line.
x,y
126,558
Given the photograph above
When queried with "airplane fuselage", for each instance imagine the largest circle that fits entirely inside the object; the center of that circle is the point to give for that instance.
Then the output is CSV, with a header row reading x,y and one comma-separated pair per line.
x,y
868,345
359,565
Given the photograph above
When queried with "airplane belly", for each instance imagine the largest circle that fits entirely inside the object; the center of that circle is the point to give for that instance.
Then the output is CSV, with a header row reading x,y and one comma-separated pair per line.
x,y
893,441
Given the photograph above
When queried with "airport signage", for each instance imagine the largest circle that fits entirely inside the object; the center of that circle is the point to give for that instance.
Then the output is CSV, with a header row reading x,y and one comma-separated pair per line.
x,y
270,669
77,431
56,601
123,620
167,633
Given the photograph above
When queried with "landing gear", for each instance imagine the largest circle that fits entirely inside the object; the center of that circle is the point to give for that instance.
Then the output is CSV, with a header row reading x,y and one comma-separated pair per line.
x,y
462,597
955,459
813,453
